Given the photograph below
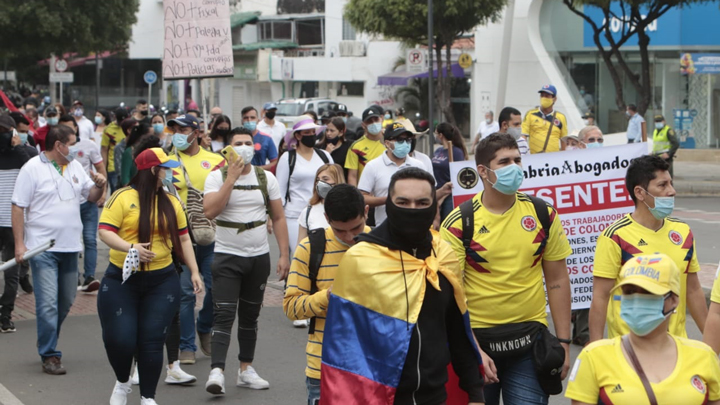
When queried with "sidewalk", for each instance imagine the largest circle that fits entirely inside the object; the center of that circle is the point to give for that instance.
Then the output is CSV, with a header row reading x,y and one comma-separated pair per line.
x,y
697,179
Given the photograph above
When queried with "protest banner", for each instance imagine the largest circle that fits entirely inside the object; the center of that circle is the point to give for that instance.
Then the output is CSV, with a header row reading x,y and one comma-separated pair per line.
x,y
198,39
587,187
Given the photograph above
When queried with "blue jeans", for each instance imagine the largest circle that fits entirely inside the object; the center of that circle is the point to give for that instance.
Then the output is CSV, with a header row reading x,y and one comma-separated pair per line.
x,y
313,390
204,258
89,218
55,278
518,383
113,179
135,318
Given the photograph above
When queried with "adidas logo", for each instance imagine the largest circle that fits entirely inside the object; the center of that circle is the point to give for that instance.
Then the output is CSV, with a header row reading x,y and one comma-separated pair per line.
x,y
132,206
483,230
618,389
642,243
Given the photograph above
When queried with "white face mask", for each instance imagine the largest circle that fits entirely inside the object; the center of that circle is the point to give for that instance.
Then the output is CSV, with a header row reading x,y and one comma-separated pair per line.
x,y
246,152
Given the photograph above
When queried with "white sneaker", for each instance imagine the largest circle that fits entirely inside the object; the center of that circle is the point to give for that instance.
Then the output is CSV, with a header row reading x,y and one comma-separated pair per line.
x,y
135,377
176,375
250,379
120,392
147,401
216,382
302,323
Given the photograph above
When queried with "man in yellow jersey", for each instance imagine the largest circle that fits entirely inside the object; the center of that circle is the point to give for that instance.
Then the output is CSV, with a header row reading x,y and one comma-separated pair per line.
x,y
544,126
711,335
515,241
308,290
195,165
112,136
368,147
647,230
665,141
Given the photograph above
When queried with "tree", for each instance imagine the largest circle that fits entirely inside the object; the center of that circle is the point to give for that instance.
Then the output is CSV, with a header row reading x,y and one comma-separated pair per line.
x,y
633,17
406,21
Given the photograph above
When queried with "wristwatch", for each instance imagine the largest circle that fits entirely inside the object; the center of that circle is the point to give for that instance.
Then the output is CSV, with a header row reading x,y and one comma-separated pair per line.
x,y
566,341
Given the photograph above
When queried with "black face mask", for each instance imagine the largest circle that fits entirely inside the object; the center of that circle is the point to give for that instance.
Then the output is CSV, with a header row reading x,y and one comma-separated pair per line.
x,y
144,112
5,141
333,141
410,227
308,141
221,132
270,114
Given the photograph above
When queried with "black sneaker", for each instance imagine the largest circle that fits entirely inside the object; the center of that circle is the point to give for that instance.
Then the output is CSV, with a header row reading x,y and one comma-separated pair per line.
x,y
90,285
25,284
6,325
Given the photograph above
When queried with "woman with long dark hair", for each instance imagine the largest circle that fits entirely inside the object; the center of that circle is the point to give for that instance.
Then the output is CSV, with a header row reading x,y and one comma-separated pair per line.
x,y
219,132
453,150
127,167
140,293
334,142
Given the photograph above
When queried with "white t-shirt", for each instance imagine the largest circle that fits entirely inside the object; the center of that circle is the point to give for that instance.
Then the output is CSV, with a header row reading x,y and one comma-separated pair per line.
x,y
376,179
52,203
217,146
243,206
486,129
316,219
97,138
88,157
424,159
303,181
277,131
86,129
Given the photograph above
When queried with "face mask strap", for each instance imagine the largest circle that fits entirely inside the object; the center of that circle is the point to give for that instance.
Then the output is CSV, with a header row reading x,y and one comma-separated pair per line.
x,y
671,311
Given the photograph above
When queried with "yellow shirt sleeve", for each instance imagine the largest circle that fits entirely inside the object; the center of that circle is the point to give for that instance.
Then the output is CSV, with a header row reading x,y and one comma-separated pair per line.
x,y
607,258
526,125
558,247
351,160
563,121
583,384
105,140
114,212
455,243
298,303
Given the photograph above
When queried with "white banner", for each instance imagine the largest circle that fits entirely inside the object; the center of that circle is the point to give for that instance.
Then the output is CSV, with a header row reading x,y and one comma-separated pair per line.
x,y
198,39
587,187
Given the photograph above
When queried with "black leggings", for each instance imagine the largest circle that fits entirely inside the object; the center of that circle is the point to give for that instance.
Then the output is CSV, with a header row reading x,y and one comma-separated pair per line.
x,y
136,316
238,287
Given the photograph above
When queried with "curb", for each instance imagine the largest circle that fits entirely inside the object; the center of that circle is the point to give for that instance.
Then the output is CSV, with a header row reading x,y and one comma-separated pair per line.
x,y
697,188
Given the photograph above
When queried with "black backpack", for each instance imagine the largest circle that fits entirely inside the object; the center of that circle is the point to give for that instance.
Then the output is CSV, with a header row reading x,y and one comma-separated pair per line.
x,y
317,252
468,219
292,157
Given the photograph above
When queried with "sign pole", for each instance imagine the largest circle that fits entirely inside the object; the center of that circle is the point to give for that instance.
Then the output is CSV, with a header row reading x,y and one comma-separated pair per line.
x,y
61,92
149,93
203,93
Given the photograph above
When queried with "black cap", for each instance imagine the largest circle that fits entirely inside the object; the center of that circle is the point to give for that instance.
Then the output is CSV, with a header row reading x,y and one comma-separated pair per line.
x,y
589,114
328,115
396,129
6,121
50,110
341,108
659,118
372,111
549,358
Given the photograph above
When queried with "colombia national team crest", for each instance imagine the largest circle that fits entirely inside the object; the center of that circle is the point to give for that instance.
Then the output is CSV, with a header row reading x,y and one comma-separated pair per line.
x,y
675,237
467,178
205,164
528,223
698,384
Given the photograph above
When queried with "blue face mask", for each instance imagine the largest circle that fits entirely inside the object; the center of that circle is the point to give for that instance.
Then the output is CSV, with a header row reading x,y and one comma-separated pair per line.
x,y
663,206
401,149
594,145
180,141
643,313
52,121
158,128
375,128
98,120
168,180
23,137
387,116
509,179
250,125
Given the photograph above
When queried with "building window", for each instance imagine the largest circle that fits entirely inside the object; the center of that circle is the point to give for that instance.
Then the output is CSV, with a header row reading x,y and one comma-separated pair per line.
x,y
352,89
275,31
348,32
310,32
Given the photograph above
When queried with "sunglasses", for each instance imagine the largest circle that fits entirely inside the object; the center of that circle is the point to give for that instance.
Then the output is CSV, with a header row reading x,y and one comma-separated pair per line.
x,y
403,140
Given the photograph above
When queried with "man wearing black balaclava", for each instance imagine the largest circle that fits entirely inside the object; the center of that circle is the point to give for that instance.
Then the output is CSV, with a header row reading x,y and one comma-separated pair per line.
x,y
398,302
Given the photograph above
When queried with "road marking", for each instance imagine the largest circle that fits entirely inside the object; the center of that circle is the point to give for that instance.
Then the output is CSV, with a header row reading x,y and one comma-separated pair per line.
x,y
7,397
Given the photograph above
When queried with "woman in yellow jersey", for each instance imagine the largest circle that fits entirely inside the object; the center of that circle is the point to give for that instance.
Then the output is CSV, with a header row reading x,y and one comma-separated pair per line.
x,y
648,365
140,293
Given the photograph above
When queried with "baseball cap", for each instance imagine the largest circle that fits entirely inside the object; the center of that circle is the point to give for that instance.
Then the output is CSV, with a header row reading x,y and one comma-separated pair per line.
x,y
659,118
341,108
657,274
50,110
548,88
589,114
269,106
186,120
77,102
154,157
6,121
372,111
396,129
548,359
328,115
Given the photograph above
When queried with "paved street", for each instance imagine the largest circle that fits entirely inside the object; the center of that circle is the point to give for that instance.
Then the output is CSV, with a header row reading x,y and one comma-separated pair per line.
x,y
280,352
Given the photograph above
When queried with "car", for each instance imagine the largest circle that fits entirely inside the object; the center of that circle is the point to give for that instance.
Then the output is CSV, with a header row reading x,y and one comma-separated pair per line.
x,y
289,109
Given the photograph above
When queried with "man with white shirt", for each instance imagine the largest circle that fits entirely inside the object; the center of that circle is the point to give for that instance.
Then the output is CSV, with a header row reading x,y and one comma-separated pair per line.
x,y
376,176
269,126
45,207
637,128
87,129
486,128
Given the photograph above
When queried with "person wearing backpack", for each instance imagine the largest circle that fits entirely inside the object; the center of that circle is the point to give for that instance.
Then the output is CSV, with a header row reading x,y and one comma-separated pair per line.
x,y
239,197
507,242
313,270
296,173
196,164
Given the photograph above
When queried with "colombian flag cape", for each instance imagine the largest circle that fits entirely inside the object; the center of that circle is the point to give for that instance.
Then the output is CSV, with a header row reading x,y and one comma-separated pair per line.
x,y
369,325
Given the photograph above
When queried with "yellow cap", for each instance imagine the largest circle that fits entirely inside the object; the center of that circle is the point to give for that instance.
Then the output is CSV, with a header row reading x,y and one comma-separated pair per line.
x,y
656,273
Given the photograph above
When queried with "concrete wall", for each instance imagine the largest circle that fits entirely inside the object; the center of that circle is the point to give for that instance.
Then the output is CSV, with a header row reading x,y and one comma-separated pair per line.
x,y
148,33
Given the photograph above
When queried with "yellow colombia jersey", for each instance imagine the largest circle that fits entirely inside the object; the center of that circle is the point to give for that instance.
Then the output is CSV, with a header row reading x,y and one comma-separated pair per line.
x,y
602,375
504,281
122,215
198,167
536,126
625,239
361,152
112,136
299,304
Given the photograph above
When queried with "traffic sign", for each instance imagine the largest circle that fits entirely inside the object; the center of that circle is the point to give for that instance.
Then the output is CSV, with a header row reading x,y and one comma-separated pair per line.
x,y
465,60
150,77
415,60
62,77
61,65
